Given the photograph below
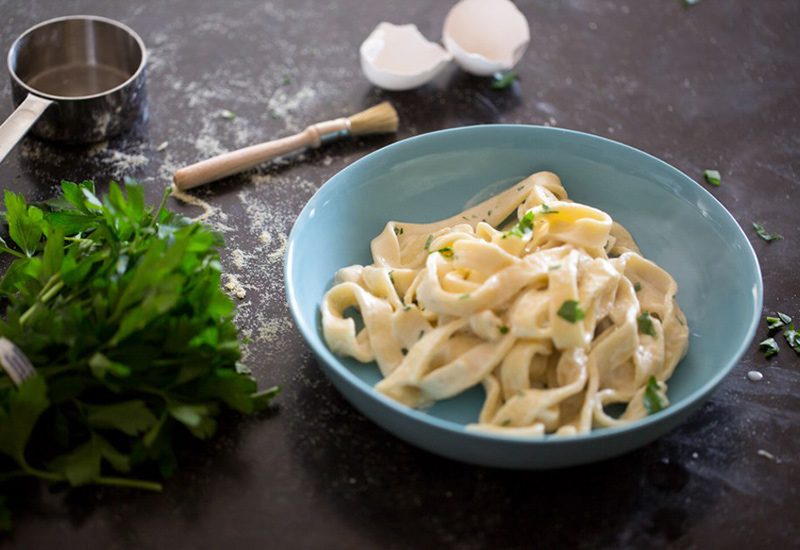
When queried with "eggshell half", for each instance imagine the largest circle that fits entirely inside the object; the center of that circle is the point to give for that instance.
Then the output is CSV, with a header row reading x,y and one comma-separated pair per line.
x,y
486,36
398,57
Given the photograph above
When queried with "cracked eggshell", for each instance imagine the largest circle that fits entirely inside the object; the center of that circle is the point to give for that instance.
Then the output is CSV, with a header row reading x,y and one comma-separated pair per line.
x,y
486,36
398,57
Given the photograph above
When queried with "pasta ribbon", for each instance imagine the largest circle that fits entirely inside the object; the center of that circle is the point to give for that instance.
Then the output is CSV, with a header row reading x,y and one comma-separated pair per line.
x,y
545,302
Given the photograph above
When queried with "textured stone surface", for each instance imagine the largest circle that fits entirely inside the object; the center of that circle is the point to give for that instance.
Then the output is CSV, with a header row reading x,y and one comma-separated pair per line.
x,y
713,86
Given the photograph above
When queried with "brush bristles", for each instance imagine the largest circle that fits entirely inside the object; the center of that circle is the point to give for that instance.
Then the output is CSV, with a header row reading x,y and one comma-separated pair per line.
x,y
380,119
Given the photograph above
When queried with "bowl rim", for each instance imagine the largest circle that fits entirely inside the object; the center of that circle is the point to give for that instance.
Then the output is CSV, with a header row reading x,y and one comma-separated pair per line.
x,y
328,360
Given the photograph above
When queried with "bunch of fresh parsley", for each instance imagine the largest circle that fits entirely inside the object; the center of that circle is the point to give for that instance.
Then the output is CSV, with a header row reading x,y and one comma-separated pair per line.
x,y
119,309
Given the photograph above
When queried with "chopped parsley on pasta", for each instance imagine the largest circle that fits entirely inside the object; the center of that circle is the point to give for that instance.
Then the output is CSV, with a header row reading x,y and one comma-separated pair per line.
x,y
546,302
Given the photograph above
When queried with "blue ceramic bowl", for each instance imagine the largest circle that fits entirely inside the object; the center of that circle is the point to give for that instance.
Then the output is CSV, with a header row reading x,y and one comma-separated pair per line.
x,y
675,222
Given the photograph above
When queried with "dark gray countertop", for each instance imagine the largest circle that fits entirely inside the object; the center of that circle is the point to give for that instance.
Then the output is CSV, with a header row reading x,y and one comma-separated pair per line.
x,y
713,86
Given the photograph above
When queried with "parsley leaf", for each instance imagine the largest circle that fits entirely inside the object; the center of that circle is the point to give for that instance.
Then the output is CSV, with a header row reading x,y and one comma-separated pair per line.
x,y
645,323
571,311
769,237
637,286
119,307
769,347
445,251
653,402
24,223
792,338
129,417
712,177
546,210
503,329
18,416
775,323
523,227
501,81
428,242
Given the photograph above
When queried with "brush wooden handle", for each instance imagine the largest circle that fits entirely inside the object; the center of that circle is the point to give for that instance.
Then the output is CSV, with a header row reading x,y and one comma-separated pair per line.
x,y
243,159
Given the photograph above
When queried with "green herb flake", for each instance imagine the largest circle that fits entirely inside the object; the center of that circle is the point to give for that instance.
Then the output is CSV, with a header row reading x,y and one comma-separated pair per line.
x,y
506,422
428,242
769,347
406,308
554,267
225,113
571,311
646,324
445,251
524,227
775,323
546,210
769,237
792,338
503,329
286,80
652,400
712,177
501,81
637,286
398,230
464,297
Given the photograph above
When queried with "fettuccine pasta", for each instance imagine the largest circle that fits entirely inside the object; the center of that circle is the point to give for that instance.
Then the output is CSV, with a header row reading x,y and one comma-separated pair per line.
x,y
556,313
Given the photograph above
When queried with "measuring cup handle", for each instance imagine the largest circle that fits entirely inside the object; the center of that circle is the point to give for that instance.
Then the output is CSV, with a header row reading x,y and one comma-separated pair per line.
x,y
20,121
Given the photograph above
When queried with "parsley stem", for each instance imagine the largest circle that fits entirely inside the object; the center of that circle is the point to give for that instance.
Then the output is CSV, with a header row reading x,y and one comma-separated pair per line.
x,y
102,480
50,289
12,252
53,291
132,483
157,215
43,474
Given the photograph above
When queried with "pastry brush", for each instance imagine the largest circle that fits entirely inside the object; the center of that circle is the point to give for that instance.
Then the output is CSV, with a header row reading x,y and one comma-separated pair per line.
x,y
380,119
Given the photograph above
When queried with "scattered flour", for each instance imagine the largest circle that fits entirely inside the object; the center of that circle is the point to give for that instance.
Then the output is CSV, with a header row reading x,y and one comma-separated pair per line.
x,y
284,105
124,164
208,210
240,258
209,146
97,149
271,329
278,253
234,287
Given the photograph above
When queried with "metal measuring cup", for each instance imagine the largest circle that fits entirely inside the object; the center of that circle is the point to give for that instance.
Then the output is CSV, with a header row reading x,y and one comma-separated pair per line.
x,y
81,77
